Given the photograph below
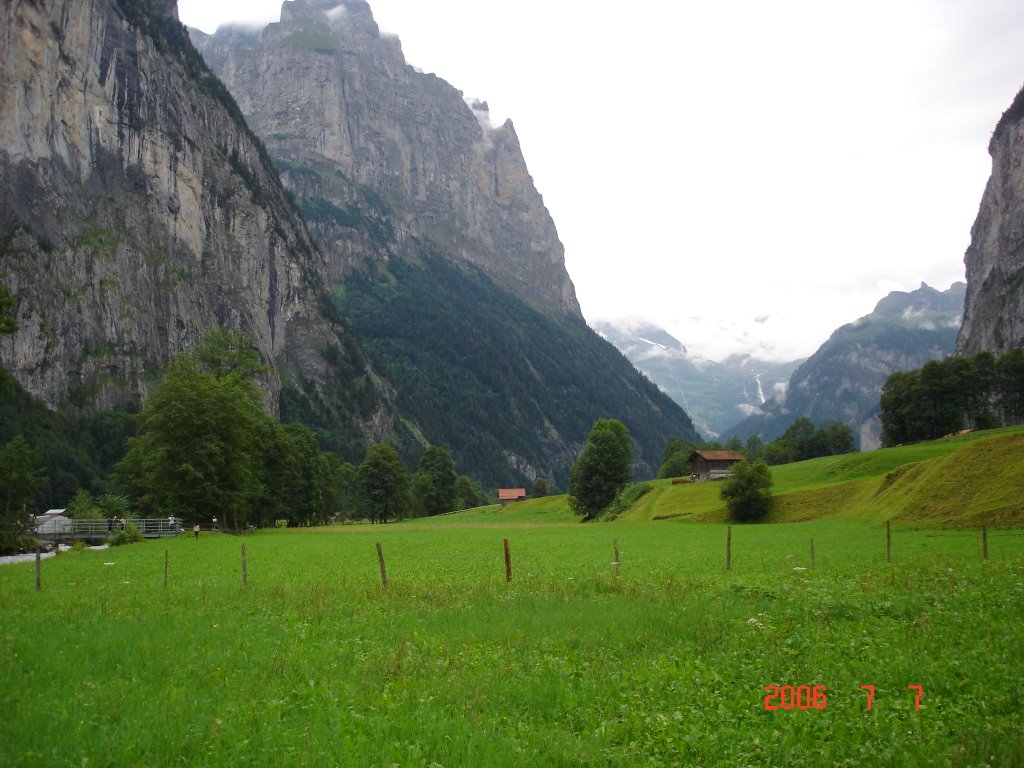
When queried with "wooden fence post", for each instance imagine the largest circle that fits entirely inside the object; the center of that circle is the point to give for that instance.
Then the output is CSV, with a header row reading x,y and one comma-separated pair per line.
x,y
383,570
508,561
728,549
984,542
615,544
245,570
888,542
39,569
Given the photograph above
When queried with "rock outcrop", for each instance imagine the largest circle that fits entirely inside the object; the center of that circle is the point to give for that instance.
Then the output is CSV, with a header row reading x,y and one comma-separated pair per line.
x,y
994,310
138,210
351,125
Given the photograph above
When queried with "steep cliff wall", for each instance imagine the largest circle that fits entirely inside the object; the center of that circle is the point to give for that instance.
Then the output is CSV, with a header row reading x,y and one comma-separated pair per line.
x,y
994,311
137,210
440,250
342,113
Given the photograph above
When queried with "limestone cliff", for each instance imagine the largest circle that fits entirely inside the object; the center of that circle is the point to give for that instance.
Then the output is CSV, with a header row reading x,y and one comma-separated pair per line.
x,y
138,210
355,130
440,251
994,311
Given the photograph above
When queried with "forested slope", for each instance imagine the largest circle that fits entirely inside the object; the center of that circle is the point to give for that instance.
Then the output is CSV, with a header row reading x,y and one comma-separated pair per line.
x,y
511,391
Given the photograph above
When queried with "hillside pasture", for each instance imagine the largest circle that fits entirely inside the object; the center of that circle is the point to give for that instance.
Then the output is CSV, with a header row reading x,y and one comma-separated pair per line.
x,y
968,480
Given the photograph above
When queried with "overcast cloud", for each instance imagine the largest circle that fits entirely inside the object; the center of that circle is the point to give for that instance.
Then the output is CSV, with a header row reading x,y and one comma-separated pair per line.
x,y
749,175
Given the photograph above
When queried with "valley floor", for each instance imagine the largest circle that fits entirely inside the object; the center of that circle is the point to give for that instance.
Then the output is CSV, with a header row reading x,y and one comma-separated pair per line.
x,y
666,659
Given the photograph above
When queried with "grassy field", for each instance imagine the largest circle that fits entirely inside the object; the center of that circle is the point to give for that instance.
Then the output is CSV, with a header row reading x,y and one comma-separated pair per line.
x,y
663,662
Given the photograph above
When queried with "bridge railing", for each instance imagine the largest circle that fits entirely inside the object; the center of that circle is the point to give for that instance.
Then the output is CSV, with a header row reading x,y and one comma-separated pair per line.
x,y
90,528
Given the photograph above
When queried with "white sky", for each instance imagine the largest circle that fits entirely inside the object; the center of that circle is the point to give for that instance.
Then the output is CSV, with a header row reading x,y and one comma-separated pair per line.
x,y
749,174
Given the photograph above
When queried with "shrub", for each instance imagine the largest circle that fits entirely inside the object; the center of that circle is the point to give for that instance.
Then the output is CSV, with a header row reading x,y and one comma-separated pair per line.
x,y
748,493
128,535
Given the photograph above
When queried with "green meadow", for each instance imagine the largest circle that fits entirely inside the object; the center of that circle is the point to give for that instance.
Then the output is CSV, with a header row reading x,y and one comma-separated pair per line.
x,y
663,660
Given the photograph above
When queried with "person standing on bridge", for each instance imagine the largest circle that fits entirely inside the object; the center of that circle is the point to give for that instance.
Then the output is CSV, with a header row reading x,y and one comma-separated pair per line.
x,y
195,531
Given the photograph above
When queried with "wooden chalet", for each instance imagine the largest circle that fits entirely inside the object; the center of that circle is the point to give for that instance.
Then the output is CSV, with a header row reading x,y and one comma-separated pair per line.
x,y
508,495
713,465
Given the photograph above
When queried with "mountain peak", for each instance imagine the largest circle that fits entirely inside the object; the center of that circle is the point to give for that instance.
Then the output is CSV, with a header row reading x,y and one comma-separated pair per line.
x,y
925,299
843,380
341,112
355,14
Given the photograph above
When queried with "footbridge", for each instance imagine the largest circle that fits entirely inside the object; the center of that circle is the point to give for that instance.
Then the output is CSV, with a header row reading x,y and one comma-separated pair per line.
x,y
65,529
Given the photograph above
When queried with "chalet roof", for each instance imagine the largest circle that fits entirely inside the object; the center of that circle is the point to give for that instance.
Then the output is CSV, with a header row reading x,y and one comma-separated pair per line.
x,y
718,455
511,494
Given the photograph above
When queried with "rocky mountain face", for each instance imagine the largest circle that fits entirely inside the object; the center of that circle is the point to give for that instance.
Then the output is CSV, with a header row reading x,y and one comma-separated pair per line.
x,y
714,394
994,309
354,130
138,210
843,380
440,251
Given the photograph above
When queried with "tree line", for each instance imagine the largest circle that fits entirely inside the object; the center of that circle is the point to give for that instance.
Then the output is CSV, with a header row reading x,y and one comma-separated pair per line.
x,y
208,449
205,448
801,441
946,396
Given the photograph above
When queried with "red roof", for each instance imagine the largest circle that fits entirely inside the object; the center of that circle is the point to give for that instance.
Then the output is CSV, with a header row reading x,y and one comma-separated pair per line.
x,y
718,455
511,494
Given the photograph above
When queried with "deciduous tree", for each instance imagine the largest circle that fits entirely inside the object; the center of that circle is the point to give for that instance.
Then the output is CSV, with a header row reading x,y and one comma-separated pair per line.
x,y
20,477
382,485
675,458
467,493
1010,385
603,468
754,447
898,409
82,506
434,483
199,449
834,438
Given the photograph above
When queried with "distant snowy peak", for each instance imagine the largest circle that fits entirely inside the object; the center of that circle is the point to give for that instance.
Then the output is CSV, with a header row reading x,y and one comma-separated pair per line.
x,y
715,394
639,338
